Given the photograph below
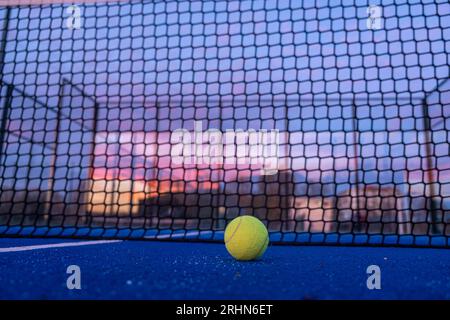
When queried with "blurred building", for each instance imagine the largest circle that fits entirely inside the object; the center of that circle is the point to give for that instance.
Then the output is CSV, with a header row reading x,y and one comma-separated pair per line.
x,y
373,209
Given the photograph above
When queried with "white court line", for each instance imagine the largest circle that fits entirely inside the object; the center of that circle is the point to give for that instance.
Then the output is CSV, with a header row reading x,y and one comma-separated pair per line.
x,y
56,245
180,235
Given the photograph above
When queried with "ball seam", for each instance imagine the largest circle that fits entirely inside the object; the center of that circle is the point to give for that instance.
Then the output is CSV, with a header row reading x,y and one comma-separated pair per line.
x,y
234,231
264,244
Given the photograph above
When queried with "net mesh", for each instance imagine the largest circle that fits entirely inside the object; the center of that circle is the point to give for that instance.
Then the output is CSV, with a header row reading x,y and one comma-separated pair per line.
x,y
327,120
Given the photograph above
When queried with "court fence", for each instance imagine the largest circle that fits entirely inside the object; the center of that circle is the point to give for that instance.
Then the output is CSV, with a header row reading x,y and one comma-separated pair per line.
x,y
344,172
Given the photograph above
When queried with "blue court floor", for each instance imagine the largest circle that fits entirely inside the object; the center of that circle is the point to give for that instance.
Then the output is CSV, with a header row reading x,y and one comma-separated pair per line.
x,y
36,269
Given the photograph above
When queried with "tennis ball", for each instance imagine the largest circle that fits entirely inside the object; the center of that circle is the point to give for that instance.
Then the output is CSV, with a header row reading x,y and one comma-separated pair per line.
x,y
246,238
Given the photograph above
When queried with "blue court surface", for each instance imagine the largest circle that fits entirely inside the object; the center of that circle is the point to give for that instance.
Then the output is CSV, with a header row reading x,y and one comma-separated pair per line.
x,y
36,269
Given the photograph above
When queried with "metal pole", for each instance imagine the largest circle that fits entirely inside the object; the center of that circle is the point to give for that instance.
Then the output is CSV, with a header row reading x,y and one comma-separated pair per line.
x,y
90,193
3,42
52,172
7,104
355,158
114,193
219,180
154,177
5,117
429,159
288,174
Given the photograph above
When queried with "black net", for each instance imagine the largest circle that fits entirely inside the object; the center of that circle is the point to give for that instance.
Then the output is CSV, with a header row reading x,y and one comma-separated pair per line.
x,y
329,121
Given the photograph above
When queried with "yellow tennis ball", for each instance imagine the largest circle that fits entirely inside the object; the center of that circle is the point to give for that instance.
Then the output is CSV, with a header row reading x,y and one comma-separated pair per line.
x,y
246,238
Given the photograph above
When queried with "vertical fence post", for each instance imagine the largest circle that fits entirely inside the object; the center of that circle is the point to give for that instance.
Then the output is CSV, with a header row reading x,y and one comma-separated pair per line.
x,y
116,172
155,209
51,186
90,192
288,172
5,116
3,42
430,176
9,90
355,159
217,219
